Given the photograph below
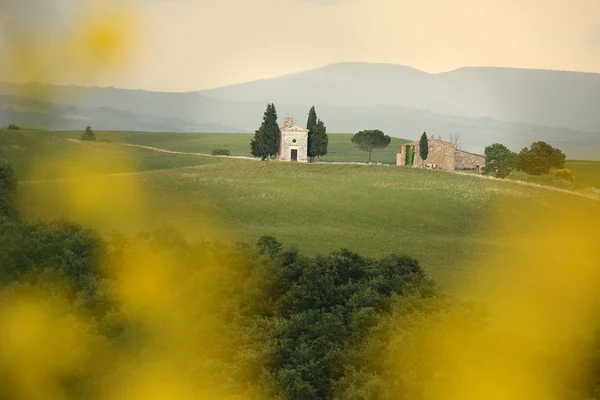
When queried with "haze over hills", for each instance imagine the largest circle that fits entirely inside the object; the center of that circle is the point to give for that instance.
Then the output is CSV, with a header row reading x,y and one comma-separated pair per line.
x,y
537,97
485,105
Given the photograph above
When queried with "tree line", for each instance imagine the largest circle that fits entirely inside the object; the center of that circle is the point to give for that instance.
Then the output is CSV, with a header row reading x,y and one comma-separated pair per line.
x,y
538,159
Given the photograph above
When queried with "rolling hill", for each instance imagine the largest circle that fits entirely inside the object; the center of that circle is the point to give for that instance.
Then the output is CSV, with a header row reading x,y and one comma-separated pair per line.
x,y
534,97
484,105
369,208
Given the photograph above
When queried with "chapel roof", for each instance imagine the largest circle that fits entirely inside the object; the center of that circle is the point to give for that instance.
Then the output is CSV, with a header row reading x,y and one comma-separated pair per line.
x,y
293,128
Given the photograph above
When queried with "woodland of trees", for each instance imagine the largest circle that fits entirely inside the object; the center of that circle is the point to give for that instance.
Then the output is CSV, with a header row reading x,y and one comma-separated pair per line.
x,y
337,326
539,159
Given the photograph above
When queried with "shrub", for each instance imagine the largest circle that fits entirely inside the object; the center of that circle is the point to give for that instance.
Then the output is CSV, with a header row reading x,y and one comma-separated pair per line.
x,y
562,174
13,127
88,135
219,151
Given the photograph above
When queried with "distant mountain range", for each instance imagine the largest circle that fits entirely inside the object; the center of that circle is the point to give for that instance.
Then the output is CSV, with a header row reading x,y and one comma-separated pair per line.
x,y
484,105
536,97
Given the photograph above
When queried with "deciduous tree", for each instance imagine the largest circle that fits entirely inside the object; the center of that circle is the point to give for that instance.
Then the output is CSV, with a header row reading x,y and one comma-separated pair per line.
x,y
499,160
540,158
369,140
456,141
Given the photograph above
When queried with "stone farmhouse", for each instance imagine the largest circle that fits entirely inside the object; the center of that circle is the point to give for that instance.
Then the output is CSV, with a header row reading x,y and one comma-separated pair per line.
x,y
442,154
293,143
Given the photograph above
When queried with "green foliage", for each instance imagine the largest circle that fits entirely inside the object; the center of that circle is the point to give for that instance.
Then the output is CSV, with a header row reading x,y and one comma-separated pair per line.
x,y
540,158
410,155
219,151
28,247
8,185
424,146
369,140
328,303
254,145
268,245
499,160
266,139
88,135
319,140
310,125
12,127
563,174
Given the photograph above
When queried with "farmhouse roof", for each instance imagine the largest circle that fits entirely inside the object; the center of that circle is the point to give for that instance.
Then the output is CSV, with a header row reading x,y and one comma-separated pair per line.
x,y
473,154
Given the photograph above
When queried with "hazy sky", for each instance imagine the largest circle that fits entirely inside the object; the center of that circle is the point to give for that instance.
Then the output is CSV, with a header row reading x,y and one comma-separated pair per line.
x,y
195,44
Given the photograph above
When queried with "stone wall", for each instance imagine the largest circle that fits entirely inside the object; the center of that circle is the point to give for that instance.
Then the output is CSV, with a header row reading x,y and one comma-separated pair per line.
x,y
441,155
464,160
401,156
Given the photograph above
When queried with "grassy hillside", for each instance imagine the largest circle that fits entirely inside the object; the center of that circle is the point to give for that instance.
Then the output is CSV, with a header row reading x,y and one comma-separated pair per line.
x,y
439,217
586,173
23,148
340,146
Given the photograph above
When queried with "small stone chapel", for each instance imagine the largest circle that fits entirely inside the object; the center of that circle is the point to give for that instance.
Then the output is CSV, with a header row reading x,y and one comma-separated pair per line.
x,y
293,143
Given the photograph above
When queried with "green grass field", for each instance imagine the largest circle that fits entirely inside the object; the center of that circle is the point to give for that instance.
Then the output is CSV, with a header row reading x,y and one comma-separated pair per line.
x,y
586,173
439,217
24,148
340,146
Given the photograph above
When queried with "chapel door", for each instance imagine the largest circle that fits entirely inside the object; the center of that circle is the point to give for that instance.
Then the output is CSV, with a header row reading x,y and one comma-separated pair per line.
x,y
294,155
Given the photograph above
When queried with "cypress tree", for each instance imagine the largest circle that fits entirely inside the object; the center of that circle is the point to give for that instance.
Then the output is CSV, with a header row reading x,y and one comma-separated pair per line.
x,y
310,125
266,139
254,149
320,140
272,132
424,146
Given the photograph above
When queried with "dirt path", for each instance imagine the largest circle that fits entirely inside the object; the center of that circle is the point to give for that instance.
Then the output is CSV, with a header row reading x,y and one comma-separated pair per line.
x,y
186,153
593,195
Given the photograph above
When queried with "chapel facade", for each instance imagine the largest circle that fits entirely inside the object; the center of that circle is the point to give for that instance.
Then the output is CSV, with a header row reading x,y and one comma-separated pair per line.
x,y
293,143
